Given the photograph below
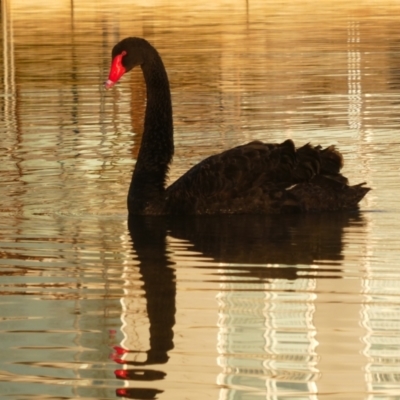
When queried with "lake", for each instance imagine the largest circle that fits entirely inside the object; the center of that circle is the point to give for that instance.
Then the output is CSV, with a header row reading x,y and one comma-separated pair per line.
x,y
98,306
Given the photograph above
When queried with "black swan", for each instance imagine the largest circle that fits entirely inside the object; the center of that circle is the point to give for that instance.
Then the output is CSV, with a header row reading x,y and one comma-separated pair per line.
x,y
255,178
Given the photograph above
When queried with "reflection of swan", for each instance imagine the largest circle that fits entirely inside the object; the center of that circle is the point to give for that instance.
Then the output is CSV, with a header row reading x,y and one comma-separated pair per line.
x,y
256,178
149,241
149,238
248,240
237,241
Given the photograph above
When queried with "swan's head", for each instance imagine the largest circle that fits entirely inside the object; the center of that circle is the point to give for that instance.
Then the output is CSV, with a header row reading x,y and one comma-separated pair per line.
x,y
125,55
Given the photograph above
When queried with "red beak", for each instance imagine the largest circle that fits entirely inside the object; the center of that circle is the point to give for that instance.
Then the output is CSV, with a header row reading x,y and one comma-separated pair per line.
x,y
116,71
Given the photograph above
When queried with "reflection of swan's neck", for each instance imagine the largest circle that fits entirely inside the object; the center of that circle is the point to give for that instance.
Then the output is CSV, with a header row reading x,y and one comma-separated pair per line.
x,y
157,148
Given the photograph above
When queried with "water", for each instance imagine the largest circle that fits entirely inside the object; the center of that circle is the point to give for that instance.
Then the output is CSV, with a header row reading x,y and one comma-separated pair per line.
x,y
305,307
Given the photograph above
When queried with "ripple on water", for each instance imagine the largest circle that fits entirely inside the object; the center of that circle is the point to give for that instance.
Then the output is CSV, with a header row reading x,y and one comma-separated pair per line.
x,y
300,308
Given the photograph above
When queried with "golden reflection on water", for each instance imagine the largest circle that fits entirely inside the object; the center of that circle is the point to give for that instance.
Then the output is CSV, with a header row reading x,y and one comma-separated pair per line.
x,y
301,309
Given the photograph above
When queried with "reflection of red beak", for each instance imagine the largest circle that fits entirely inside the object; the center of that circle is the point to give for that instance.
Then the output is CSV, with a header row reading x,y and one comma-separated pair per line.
x,y
122,392
121,373
120,350
116,71
138,393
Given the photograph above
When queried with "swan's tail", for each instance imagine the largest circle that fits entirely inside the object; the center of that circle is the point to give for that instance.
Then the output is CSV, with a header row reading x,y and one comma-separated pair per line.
x,y
317,183
325,194
314,160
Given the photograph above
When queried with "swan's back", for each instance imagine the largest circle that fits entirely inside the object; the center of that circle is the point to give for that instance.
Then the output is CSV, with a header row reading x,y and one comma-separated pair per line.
x,y
259,178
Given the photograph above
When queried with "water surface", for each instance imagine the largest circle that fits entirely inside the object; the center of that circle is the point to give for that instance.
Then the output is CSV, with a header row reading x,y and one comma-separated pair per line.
x,y
95,306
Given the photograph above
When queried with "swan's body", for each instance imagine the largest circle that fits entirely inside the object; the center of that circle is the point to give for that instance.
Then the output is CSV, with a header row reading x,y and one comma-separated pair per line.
x,y
256,178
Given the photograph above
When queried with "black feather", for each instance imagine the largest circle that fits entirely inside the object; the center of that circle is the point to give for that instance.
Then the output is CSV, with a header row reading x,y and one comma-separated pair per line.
x,y
256,178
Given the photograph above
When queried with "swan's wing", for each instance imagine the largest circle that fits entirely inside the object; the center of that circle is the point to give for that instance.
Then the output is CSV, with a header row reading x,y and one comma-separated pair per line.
x,y
249,178
264,178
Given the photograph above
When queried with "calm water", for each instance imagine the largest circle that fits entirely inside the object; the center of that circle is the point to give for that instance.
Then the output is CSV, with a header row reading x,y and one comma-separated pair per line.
x,y
91,307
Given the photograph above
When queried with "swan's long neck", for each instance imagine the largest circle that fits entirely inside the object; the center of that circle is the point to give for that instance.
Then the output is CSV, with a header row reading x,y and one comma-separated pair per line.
x,y
149,178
